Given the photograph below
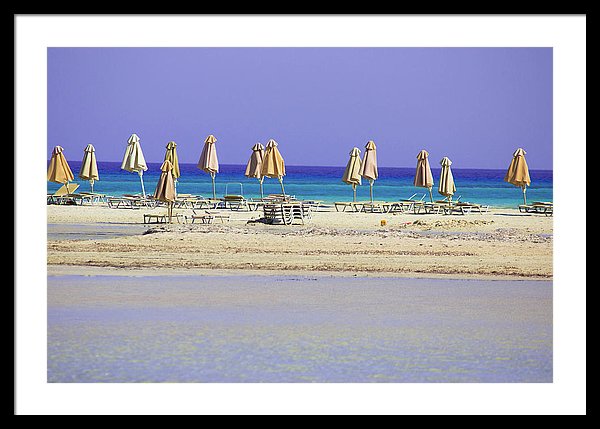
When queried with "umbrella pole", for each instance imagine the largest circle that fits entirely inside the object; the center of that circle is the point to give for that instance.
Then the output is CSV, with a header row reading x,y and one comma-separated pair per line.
x,y
141,173
212,175
430,195
260,182
281,183
170,212
354,192
524,196
371,189
92,185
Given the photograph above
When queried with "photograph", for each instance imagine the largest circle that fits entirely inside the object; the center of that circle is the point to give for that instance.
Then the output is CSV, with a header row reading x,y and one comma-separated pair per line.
x,y
300,215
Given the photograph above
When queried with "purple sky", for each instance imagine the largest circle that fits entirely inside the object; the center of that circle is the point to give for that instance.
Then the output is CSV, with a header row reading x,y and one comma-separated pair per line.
x,y
474,105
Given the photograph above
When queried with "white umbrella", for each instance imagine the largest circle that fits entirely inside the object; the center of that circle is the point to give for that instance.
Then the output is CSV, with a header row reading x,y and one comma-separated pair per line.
x,y
89,166
134,161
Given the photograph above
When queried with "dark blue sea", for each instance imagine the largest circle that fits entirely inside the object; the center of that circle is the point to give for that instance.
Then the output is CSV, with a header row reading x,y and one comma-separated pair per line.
x,y
321,183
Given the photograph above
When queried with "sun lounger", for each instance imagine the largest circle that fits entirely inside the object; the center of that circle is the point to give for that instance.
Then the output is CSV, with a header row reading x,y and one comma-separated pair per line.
x,y
123,203
301,211
255,204
402,206
287,213
343,205
279,198
161,217
541,207
235,202
207,217
85,197
274,213
185,201
465,208
373,207
61,196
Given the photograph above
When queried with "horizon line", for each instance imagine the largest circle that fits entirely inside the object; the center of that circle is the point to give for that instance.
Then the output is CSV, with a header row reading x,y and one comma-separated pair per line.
x,y
337,166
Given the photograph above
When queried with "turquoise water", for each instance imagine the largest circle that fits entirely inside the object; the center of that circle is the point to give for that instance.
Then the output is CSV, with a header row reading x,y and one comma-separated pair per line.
x,y
322,183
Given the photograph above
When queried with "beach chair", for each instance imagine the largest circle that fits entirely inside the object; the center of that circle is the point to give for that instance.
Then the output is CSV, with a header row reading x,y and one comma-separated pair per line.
x,y
541,207
162,217
279,198
235,202
300,211
207,216
373,207
465,208
255,204
62,195
93,197
184,201
275,213
343,205
436,207
123,203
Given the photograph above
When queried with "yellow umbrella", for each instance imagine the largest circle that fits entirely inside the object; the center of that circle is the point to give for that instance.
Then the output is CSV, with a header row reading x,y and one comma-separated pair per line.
x,y
352,172
518,172
134,161
446,187
208,160
368,169
273,165
165,189
89,166
254,166
423,176
171,155
59,170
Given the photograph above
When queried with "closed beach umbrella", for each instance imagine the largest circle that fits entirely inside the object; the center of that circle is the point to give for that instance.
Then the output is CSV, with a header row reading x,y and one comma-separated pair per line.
x,y
368,169
165,189
423,176
208,160
171,155
134,161
518,172
273,165
89,166
59,170
446,187
352,172
254,166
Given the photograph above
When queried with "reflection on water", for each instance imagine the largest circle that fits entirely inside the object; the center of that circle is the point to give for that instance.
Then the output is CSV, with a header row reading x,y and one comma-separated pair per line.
x,y
297,329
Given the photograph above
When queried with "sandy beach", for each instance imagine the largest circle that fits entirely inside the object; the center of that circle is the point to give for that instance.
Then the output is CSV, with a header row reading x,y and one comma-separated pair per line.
x,y
500,244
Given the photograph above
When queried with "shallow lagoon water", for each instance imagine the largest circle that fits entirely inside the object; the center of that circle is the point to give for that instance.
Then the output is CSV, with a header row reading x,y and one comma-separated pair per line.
x,y
297,329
